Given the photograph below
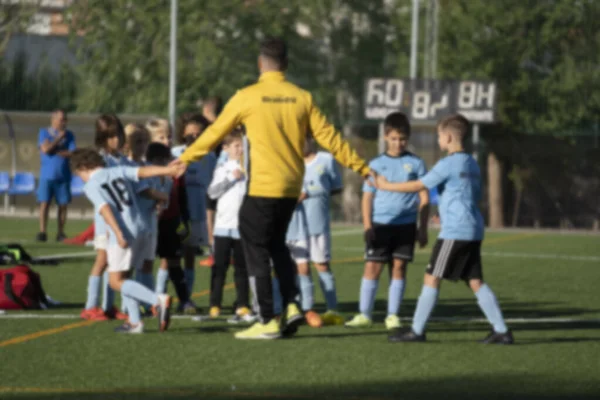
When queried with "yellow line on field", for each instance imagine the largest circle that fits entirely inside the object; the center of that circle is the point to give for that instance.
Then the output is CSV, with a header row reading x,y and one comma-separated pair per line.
x,y
64,328
32,336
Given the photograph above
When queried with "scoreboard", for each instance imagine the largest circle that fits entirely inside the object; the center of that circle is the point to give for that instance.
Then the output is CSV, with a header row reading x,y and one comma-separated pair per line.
x,y
427,100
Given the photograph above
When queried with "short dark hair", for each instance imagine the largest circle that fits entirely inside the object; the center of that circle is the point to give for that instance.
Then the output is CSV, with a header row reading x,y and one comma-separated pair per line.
x,y
236,134
275,49
191,118
86,159
310,145
456,124
157,153
108,126
397,121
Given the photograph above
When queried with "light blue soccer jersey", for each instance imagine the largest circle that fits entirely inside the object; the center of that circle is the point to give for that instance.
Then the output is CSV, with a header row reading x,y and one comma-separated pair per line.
x,y
115,186
458,180
197,179
321,177
394,208
111,160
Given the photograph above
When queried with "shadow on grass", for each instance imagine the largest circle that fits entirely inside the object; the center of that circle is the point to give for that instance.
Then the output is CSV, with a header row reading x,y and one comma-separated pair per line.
x,y
513,386
468,308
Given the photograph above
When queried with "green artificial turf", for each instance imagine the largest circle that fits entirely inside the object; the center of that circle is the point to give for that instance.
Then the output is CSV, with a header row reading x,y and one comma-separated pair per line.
x,y
546,282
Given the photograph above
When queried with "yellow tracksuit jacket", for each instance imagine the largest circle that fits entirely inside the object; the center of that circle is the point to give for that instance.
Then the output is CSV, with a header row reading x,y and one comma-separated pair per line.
x,y
277,116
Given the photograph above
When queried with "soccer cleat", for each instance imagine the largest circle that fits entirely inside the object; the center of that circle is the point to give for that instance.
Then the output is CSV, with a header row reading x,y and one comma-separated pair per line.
x,y
41,237
90,313
214,312
292,319
260,331
332,318
359,321
60,237
313,319
392,322
164,311
499,338
207,262
114,313
405,335
242,315
189,308
131,329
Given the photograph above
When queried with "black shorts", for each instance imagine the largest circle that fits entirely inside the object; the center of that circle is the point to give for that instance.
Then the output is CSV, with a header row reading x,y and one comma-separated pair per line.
x,y
456,260
392,242
169,241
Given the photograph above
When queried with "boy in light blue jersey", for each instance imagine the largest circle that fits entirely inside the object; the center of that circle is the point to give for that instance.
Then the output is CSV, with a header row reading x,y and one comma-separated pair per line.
x,y
322,178
197,179
390,223
112,191
108,139
457,252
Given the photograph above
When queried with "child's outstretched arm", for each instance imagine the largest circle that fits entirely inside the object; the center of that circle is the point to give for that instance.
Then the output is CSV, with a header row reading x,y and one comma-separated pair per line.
x,y
406,187
154,170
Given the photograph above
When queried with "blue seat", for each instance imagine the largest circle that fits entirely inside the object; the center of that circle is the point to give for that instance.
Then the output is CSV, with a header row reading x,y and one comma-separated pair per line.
x,y
77,186
4,182
22,183
434,197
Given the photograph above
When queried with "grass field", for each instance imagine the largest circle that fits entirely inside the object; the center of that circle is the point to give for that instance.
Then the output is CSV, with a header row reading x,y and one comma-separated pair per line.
x,y
547,285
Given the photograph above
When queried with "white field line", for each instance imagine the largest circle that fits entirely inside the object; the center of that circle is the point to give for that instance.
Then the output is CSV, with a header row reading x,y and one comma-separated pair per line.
x,y
556,320
540,256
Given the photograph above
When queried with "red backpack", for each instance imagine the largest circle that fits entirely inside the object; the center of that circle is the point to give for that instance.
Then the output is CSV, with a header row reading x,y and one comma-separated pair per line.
x,y
21,288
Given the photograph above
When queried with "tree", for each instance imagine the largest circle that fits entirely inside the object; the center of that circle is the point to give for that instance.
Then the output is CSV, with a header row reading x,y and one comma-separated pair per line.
x,y
545,58
15,17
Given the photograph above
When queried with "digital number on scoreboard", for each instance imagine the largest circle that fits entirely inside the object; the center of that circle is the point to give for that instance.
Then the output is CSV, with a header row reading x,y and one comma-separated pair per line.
x,y
430,100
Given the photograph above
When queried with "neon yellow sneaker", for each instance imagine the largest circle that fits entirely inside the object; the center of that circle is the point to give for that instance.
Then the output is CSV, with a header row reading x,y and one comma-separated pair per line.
x,y
359,321
392,322
293,318
260,331
214,312
332,318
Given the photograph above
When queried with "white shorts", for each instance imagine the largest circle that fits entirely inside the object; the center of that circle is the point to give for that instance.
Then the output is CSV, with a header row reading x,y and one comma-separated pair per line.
x,y
299,251
101,241
320,248
149,247
198,234
121,260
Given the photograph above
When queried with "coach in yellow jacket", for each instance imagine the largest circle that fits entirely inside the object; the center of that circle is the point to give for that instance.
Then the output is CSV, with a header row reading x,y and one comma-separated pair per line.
x,y
277,115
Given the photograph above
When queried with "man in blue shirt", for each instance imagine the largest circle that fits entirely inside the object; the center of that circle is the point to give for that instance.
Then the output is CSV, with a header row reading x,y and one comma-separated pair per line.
x,y
457,252
390,222
56,144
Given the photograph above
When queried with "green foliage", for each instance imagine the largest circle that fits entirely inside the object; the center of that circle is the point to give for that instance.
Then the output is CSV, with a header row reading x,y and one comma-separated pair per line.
x,y
543,54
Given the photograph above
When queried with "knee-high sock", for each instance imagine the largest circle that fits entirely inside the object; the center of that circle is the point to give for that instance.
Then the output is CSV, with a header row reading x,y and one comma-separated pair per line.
x,y
395,295
93,292
368,291
491,309
327,283
425,306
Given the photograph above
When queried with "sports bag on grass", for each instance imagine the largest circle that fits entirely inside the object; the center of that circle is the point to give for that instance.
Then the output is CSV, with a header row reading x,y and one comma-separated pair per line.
x,y
21,288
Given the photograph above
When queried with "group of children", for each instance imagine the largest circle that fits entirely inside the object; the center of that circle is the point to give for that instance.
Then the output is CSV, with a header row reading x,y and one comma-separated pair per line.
x,y
141,212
